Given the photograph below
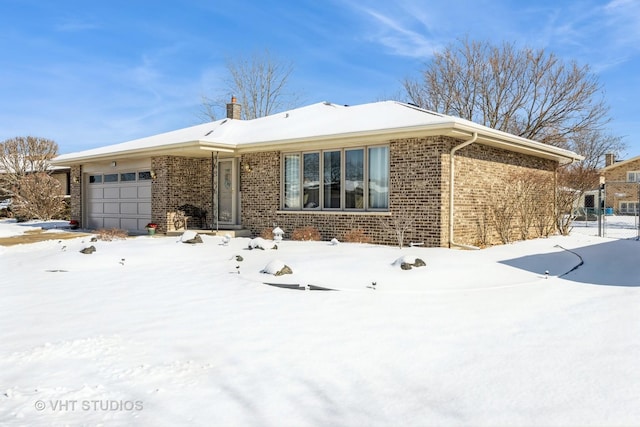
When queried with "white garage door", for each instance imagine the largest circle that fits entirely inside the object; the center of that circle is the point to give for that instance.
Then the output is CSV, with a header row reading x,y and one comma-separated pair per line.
x,y
119,200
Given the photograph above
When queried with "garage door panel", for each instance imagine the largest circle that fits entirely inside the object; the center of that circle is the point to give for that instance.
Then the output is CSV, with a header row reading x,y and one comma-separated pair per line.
x,y
128,208
129,192
129,223
111,193
96,208
144,192
95,193
144,208
96,222
112,208
110,222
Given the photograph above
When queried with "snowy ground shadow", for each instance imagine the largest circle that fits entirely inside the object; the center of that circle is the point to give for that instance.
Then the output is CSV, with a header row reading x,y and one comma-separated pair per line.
x,y
556,263
613,263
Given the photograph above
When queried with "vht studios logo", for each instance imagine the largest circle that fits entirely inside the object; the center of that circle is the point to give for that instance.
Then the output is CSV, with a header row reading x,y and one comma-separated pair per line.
x,y
89,405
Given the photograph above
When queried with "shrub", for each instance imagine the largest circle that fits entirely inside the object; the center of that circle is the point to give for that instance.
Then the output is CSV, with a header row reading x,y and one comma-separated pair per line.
x,y
267,234
111,234
356,236
306,233
39,196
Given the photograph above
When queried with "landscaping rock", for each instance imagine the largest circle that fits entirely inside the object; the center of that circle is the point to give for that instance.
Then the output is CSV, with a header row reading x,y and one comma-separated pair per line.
x,y
190,237
277,268
408,262
419,263
195,240
91,249
260,243
285,270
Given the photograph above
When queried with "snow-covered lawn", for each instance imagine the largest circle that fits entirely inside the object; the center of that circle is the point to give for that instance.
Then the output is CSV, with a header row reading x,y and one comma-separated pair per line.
x,y
152,331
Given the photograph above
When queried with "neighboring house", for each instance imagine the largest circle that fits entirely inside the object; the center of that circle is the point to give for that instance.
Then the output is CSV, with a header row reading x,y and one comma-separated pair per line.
x,y
622,184
61,173
330,166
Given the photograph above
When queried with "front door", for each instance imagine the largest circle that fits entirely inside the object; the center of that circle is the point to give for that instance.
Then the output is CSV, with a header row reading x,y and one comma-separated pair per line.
x,y
227,200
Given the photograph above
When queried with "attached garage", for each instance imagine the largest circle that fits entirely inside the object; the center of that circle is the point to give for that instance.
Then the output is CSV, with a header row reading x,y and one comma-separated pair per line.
x,y
118,199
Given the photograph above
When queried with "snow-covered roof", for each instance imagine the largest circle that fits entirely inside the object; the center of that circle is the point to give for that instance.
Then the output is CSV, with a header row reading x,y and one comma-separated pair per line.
x,y
321,122
619,163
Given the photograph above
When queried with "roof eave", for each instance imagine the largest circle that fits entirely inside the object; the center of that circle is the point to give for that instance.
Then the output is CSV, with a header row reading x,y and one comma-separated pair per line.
x,y
192,147
492,137
454,129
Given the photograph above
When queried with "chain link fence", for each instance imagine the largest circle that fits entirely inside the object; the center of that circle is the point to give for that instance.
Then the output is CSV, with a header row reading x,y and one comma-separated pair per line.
x,y
607,224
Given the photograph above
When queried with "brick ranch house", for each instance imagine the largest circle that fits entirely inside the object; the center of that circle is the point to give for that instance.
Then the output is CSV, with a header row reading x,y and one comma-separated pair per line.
x,y
330,166
622,182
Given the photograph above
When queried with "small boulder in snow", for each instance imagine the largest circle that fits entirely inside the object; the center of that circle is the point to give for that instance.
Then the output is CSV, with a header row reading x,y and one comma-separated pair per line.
x,y
190,236
91,249
334,241
407,262
260,243
277,268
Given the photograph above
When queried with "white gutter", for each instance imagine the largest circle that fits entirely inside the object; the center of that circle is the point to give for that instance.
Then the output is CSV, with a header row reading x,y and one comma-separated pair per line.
x,y
452,243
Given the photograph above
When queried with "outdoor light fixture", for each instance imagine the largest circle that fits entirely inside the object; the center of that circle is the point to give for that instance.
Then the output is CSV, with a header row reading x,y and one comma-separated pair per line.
x,y
247,167
153,175
76,180
113,164
278,234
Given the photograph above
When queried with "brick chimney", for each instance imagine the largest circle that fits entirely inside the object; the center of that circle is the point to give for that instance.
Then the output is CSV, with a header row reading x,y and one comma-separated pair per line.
x,y
609,159
234,110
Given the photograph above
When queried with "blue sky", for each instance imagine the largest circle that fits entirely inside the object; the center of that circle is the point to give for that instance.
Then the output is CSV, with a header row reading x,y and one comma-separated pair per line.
x,y
92,73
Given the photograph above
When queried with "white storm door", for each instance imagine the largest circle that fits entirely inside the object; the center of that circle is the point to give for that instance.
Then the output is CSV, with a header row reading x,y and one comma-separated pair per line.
x,y
227,184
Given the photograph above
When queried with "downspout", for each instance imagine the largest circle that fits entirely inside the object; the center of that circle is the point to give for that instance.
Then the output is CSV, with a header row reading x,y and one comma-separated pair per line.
x,y
452,242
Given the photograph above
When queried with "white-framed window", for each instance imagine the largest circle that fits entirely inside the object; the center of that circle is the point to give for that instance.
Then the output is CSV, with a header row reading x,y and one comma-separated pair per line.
x,y
347,179
633,176
628,208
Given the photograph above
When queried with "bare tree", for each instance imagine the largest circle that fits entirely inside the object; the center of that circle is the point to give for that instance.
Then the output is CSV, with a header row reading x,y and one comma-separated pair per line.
x,y
260,82
20,156
525,92
593,145
573,181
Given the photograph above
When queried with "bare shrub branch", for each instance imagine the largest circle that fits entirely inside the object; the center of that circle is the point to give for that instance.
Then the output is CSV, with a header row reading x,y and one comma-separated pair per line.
x,y
398,226
20,156
39,196
110,234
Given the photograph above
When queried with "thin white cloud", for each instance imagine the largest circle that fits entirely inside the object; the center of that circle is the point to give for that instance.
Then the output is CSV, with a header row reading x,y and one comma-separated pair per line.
x,y
397,36
622,20
75,26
